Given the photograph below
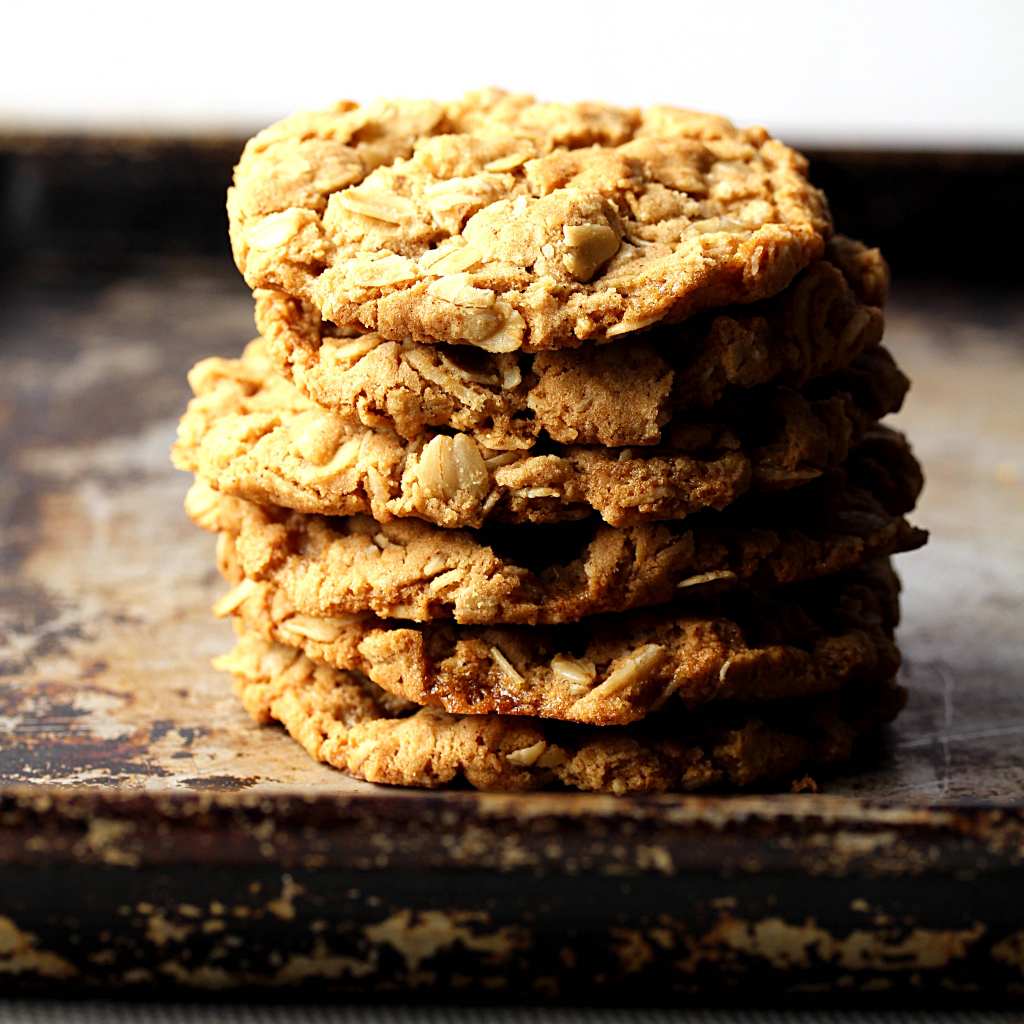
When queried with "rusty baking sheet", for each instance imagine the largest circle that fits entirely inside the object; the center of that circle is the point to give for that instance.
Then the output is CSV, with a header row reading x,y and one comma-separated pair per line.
x,y
152,837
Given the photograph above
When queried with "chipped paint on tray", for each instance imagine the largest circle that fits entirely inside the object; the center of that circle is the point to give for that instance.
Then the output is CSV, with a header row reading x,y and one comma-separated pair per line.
x,y
19,955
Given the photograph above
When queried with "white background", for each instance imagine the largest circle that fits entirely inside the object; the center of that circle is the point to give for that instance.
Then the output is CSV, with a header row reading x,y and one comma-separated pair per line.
x,y
945,73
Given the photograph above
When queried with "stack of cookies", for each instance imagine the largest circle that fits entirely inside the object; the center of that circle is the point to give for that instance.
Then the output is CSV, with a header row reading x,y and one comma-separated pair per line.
x,y
558,457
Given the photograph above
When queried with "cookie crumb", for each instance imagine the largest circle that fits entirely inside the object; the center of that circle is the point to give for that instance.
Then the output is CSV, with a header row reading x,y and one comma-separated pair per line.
x,y
805,785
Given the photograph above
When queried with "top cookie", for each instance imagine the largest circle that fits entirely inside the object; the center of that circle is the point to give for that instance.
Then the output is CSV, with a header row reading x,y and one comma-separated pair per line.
x,y
504,223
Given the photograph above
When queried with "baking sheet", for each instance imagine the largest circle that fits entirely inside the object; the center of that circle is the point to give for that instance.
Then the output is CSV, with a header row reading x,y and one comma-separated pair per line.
x,y
154,840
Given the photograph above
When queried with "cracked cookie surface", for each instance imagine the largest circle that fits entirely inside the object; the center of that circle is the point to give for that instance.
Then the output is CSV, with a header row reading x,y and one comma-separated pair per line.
x,y
503,223
250,434
340,718
530,573
611,669
621,393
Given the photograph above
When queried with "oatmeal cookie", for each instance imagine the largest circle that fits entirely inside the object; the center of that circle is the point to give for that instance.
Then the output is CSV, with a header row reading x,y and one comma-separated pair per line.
x,y
887,467
864,269
250,434
515,225
605,670
621,393
340,718
552,573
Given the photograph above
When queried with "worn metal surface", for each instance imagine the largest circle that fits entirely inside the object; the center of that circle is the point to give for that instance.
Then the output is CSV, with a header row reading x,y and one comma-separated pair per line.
x,y
151,835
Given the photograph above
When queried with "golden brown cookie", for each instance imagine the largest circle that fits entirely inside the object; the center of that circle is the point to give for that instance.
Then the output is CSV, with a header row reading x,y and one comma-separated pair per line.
x,y
864,269
552,573
342,719
886,466
620,393
611,669
250,434
503,223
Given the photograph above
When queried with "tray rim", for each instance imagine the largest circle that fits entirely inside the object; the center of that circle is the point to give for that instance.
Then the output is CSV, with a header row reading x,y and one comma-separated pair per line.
x,y
438,830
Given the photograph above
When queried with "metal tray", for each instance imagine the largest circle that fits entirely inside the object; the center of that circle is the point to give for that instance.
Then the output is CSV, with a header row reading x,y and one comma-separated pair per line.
x,y
153,839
